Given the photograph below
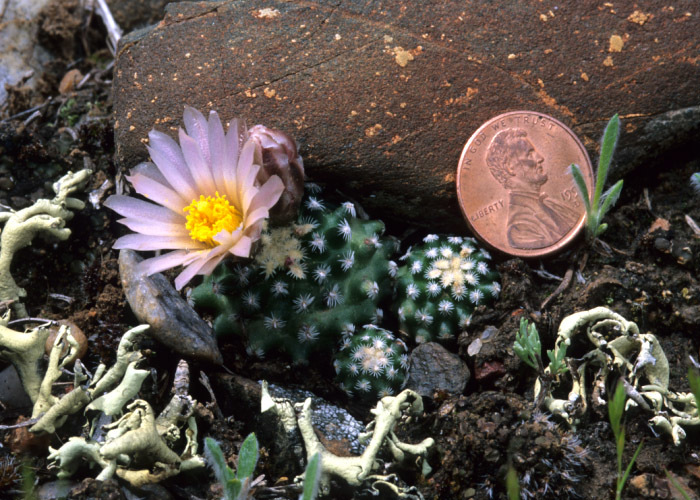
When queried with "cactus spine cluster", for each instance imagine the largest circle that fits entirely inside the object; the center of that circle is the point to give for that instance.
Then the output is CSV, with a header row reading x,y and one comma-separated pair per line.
x,y
439,284
320,284
308,282
370,362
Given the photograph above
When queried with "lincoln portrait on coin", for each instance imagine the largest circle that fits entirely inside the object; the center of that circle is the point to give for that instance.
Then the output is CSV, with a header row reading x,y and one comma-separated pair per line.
x,y
534,219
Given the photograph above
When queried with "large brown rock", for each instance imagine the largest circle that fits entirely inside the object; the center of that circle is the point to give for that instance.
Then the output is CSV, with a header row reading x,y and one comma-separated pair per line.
x,y
133,14
382,95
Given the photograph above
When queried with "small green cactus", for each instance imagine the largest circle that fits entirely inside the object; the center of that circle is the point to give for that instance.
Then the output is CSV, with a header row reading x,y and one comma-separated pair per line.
x,y
370,362
439,285
327,270
322,282
214,295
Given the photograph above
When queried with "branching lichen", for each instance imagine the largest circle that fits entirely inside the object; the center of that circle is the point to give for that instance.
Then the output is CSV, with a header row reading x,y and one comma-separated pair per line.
x,y
358,470
53,411
138,437
112,403
621,351
57,360
25,351
46,217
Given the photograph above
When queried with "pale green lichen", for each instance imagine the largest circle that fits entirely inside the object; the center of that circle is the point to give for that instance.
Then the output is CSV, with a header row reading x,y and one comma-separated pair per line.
x,y
112,403
380,434
138,437
57,360
53,411
621,351
45,217
131,438
24,350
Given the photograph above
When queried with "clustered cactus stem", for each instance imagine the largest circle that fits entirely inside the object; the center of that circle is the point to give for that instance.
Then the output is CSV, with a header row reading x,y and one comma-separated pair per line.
x,y
322,283
312,287
371,361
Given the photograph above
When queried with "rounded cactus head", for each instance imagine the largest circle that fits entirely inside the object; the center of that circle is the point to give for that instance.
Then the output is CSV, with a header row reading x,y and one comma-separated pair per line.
x,y
310,278
370,362
440,282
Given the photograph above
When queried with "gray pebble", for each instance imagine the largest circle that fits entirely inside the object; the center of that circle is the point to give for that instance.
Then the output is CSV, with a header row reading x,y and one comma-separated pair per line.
x,y
173,322
434,368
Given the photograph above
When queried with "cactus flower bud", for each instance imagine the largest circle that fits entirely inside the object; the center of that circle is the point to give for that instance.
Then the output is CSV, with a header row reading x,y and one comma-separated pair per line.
x,y
278,156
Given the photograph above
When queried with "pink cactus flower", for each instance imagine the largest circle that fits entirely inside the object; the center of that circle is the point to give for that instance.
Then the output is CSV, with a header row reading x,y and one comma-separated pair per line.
x,y
207,203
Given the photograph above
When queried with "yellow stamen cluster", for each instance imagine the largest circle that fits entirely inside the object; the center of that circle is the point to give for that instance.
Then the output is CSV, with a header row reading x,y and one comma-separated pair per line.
x,y
209,215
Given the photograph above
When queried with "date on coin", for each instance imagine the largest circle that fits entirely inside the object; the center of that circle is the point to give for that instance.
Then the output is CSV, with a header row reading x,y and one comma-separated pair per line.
x,y
514,185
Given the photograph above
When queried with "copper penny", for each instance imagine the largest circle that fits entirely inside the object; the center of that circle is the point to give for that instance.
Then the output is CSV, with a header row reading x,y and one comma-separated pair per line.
x,y
514,185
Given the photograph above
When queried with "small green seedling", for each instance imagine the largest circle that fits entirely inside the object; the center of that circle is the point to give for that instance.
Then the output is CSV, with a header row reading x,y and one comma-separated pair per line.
x,y
527,344
676,485
616,407
236,486
602,201
528,348
556,360
312,478
512,484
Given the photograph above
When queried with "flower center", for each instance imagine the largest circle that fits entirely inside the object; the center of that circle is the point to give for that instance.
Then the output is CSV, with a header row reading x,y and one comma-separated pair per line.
x,y
209,215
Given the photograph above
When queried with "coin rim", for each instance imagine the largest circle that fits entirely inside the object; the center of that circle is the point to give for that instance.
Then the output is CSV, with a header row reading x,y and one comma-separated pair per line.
x,y
566,239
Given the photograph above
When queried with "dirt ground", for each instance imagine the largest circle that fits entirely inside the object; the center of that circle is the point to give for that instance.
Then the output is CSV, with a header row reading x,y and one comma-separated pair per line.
x,y
648,275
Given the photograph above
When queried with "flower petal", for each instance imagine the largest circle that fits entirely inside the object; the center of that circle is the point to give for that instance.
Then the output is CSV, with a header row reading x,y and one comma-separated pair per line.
x,y
217,151
198,129
157,192
143,242
267,195
208,268
235,137
189,272
254,230
253,217
166,261
126,206
245,177
232,176
199,168
154,228
150,170
204,264
242,247
168,157
237,243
